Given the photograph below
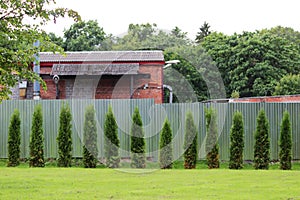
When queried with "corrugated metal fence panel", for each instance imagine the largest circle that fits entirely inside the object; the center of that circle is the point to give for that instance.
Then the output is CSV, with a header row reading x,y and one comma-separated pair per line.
x,y
153,116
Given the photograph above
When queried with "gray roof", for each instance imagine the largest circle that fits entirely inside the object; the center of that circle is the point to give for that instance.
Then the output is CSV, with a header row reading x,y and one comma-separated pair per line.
x,y
95,69
103,56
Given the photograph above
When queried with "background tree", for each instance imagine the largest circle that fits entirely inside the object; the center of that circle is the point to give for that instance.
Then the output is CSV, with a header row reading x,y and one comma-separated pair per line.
x,y
204,31
288,85
17,38
36,145
212,146
190,142
138,157
111,140
83,36
64,138
236,142
285,143
262,142
165,146
90,150
14,140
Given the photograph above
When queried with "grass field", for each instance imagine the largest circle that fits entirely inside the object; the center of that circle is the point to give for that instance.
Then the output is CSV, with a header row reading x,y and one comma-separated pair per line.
x,y
79,183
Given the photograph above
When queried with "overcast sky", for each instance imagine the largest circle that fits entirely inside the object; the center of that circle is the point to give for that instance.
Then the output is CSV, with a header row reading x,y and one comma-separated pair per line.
x,y
227,16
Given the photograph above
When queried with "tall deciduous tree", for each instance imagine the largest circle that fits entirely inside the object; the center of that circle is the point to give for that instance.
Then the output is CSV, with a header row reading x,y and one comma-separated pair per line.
x,y
236,141
285,143
14,139
36,145
212,146
64,138
190,142
262,142
138,157
83,36
111,140
90,150
165,146
288,85
17,38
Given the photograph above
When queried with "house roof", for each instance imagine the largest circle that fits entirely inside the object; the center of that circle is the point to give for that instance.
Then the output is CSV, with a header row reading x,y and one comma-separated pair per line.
x,y
103,56
95,69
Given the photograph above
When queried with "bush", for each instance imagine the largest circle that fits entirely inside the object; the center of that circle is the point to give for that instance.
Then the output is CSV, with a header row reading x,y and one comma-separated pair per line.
x,y
64,138
90,150
14,140
137,145
262,142
165,146
37,139
111,140
190,142
236,142
285,143
211,145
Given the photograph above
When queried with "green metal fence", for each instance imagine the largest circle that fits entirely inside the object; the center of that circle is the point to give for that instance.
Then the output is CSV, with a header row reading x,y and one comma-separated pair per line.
x,y
153,116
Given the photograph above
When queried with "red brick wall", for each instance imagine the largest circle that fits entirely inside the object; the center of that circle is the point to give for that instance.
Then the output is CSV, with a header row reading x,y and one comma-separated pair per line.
x,y
50,93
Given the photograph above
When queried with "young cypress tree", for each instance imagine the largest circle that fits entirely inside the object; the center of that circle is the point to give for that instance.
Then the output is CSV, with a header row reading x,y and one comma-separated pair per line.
x,y
111,140
64,138
190,142
137,146
37,139
14,140
212,146
285,143
166,150
236,142
90,150
262,142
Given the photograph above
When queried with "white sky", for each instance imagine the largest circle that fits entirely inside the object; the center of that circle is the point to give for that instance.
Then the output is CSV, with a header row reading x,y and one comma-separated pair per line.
x,y
227,16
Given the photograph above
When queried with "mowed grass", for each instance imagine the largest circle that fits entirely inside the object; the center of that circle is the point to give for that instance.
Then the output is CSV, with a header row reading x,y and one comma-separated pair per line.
x,y
80,183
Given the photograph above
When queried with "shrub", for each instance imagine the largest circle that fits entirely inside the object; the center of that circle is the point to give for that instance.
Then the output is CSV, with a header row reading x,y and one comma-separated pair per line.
x,y
236,142
190,142
111,140
166,150
64,138
37,139
262,142
211,145
285,143
90,150
14,140
137,145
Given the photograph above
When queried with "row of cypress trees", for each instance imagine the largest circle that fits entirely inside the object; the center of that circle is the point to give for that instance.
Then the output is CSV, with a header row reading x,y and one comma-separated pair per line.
x,y
138,158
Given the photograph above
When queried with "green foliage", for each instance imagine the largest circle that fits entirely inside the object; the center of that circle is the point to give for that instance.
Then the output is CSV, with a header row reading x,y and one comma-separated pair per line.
x,y
288,85
204,31
285,143
165,146
90,150
14,140
236,142
111,140
64,138
83,36
137,146
190,142
211,145
242,57
17,38
36,145
262,142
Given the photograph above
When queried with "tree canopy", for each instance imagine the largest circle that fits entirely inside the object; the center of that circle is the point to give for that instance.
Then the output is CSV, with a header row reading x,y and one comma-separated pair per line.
x,y
20,27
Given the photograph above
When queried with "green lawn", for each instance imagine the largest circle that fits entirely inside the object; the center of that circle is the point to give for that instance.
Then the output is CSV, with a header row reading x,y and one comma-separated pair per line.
x,y
79,183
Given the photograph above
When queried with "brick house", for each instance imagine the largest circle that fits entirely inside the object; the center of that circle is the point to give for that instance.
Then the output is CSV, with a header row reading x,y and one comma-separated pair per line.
x,y
99,75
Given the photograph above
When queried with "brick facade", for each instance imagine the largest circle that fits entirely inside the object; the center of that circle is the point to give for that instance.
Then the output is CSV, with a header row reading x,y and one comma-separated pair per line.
x,y
146,82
